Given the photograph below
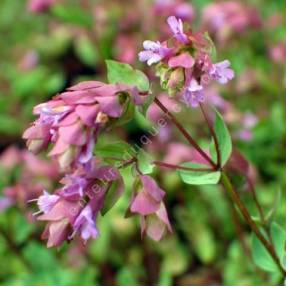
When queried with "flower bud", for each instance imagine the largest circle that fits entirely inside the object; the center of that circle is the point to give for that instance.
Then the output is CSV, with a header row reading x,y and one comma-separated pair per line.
x,y
66,158
36,145
176,81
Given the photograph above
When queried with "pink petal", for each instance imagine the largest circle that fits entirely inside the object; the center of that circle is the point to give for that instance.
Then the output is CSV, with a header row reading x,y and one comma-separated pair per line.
x,y
155,228
78,97
184,60
68,120
144,204
87,113
73,134
86,85
37,132
57,233
59,148
150,187
62,209
110,105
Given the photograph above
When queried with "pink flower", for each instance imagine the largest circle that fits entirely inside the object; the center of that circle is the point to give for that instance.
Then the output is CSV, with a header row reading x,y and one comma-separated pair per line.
x,y
227,17
85,224
184,60
177,28
154,52
60,218
157,224
47,201
193,94
72,120
37,6
149,204
179,8
221,72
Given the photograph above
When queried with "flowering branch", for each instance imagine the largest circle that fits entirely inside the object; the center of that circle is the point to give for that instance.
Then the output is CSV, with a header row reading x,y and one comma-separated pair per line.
x,y
185,133
177,167
235,197
218,152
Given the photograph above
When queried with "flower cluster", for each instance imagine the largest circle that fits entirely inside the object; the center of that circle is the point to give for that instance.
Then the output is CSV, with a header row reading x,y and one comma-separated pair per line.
x,y
72,120
223,19
184,63
73,209
70,124
148,202
38,6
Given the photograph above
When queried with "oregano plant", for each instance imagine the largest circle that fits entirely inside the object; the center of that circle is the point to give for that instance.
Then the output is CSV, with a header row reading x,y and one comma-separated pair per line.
x,y
70,126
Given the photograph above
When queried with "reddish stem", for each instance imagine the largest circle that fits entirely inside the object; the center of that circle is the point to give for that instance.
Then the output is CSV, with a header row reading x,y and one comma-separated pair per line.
x,y
213,135
177,167
185,133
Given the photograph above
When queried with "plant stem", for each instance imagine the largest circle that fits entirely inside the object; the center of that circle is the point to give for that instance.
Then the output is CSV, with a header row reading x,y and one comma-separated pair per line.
x,y
236,198
177,167
185,133
127,163
218,152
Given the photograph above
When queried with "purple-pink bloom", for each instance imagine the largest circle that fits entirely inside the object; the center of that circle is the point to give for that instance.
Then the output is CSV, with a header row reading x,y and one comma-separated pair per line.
x,y
154,52
72,120
177,28
149,204
193,94
157,224
47,201
184,60
85,225
75,185
37,6
60,217
221,72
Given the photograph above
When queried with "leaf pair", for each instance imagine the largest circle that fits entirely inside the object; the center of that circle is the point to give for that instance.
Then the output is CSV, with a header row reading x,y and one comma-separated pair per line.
x,y
225,148
261,256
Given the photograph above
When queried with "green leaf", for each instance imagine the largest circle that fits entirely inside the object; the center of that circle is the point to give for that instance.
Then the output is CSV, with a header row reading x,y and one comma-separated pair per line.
x,y
224,139
198,177
123,73
212,48
118,149
113,194
128,113
148,101
145,164
261,256
278,235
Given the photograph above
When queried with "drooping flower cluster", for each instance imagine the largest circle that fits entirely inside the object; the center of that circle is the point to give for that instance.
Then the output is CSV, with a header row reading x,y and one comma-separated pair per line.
x,y
72,120
184,63
148,202
226,18
73,209
69,124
